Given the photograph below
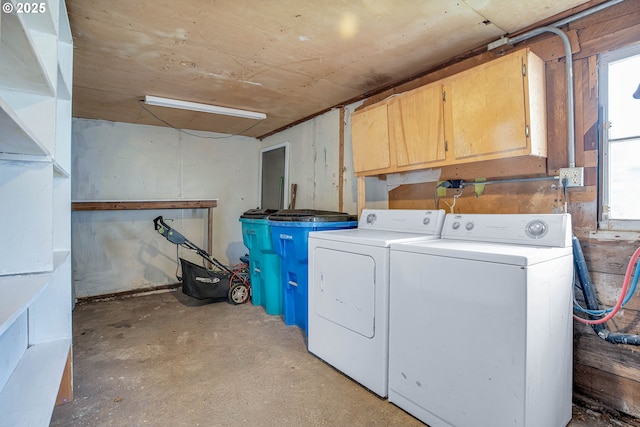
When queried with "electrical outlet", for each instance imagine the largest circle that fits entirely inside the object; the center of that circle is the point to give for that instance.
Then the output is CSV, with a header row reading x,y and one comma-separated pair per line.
x,y
574,177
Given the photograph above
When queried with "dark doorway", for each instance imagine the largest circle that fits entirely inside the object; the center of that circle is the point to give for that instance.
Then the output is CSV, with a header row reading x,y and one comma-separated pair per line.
x,y
274,177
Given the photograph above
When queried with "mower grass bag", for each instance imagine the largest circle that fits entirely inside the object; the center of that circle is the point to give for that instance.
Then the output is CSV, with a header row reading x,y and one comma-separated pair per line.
x,y
200,283
221,282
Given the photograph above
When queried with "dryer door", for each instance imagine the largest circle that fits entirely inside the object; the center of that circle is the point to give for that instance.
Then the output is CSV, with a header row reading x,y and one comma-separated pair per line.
x,y
344,289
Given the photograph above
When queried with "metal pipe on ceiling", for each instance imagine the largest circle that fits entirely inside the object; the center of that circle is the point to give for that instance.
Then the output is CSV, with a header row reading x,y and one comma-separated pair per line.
x,y
569,60
577,16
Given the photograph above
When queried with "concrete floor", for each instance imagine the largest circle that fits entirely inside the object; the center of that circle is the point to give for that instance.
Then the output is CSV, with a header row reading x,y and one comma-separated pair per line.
x,y
166,359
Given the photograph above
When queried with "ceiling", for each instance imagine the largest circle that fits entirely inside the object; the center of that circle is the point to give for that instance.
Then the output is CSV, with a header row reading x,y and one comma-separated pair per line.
x,y
290,59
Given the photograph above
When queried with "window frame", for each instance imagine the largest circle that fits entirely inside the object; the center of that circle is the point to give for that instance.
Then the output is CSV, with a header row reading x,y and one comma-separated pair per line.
x,y
604,59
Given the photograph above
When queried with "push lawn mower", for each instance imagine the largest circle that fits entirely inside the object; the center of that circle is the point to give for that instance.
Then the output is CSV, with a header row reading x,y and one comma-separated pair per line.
x,y
200,282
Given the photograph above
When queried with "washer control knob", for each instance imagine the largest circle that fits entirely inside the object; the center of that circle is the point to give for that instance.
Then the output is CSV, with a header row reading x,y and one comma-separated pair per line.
x,y
426,221
371,218
536,229
455,225
469,226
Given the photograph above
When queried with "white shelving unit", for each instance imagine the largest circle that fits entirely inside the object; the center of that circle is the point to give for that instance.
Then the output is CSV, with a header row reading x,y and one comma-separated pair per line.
x,y
36,62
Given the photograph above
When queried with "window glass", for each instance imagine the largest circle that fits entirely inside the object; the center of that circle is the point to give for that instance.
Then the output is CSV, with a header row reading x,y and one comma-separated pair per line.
x,y
620,81
624,202
624,109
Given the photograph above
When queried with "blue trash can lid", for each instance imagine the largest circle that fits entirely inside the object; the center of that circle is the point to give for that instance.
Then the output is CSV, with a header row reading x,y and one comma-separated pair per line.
x,y
258,213
311,215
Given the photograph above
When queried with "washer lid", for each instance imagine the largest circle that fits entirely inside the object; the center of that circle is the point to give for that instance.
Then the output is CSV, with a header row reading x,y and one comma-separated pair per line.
x,y
363,236
482,251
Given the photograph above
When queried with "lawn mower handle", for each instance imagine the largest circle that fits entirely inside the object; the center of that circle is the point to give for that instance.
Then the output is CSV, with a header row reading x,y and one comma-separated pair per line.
x,y
159,222
178,239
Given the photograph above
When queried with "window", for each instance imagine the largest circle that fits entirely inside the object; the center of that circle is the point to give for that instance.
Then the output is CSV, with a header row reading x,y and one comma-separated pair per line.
x,y
620,103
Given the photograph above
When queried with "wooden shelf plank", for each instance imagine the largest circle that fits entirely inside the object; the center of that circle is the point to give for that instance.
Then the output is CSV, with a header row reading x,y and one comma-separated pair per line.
x,y
30,395
16,294
107,205
151,204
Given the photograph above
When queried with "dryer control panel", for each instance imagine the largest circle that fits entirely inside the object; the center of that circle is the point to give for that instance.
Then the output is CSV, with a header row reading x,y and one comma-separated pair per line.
x,y
552,230
403,220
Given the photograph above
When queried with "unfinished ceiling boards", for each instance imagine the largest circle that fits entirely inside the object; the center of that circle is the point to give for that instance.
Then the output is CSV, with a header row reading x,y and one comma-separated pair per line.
x,y
519,17
288,59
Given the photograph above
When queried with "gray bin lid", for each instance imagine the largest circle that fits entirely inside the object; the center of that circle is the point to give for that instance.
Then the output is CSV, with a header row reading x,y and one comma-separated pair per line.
x,y
258,213
311,215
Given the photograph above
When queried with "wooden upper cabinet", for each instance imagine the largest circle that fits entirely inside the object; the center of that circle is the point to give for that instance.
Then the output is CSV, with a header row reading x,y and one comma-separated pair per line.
x,y
416,126
497,109
492,111
370,139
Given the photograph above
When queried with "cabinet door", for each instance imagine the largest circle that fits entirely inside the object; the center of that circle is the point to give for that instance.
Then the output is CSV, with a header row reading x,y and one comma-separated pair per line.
x,y
370,138
486,111
416,126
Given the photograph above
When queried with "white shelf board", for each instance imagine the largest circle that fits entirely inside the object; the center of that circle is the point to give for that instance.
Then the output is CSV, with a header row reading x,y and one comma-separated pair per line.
x,y
64,29
60,171
28,189
62,154
17,293
46,46
41,15
65,70
34,112
58,258
61,212
12,158
62,89
16,137
30,395
21,68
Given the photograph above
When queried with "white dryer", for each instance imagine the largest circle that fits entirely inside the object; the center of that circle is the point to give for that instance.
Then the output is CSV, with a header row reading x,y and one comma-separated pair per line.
x,y
480,323
349,290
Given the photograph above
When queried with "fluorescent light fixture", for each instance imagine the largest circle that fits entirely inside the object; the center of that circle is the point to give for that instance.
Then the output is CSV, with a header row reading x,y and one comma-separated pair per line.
x,y
205,108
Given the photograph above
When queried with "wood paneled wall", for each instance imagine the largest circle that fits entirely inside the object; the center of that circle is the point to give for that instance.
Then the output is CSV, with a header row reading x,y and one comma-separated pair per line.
x,y
605,372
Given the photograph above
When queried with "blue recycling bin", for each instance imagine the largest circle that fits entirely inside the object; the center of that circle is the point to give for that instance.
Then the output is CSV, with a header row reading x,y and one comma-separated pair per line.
x,y
264,263
290,230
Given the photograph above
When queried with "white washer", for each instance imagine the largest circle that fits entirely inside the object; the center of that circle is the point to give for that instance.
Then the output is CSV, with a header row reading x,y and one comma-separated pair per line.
x,y
349,290
480,323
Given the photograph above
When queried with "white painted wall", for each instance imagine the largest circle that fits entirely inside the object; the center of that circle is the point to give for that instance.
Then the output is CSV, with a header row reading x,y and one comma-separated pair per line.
x,y
117,251
314,163
313,160
377,196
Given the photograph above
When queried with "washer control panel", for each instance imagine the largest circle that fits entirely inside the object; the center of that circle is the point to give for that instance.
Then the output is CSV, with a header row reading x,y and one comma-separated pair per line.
x,y
403,220
525,229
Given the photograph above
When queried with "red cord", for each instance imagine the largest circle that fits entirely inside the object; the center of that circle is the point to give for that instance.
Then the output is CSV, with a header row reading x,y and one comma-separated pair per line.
x,y
623,293
237,270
